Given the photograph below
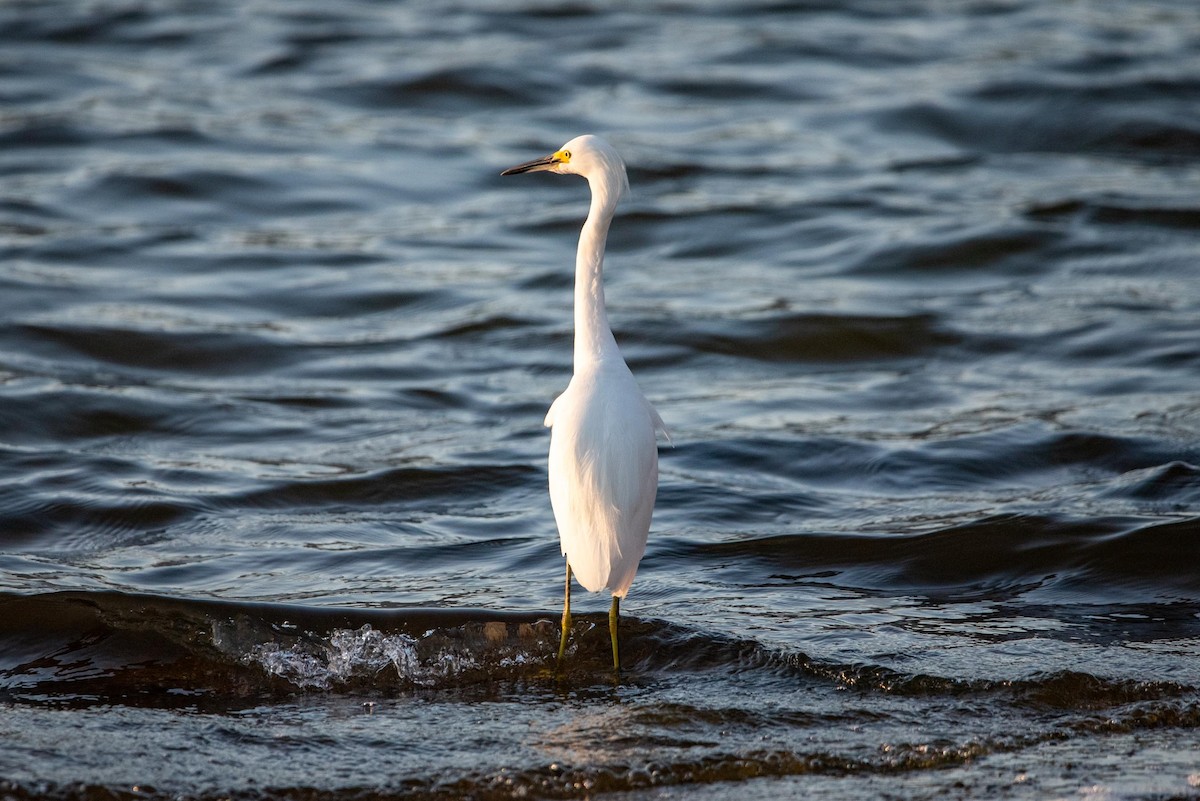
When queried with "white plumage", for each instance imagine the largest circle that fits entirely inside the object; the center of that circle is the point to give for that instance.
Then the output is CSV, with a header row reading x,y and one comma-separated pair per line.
x,y
603,454
603,474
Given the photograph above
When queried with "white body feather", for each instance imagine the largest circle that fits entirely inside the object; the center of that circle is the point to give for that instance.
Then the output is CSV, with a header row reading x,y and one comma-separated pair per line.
x,y
603,474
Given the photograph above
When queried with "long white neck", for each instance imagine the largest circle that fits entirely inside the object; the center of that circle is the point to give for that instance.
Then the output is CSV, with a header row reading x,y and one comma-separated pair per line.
x,y
593,337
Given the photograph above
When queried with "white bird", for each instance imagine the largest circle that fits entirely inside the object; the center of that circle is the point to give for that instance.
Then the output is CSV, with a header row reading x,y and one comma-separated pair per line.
x,y
603,454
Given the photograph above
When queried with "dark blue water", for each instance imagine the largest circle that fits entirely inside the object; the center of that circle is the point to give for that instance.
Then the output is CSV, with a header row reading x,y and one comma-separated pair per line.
x,y
913,284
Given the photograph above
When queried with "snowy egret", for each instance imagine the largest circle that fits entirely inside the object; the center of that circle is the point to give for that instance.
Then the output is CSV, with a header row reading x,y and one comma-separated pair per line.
x,y
603,454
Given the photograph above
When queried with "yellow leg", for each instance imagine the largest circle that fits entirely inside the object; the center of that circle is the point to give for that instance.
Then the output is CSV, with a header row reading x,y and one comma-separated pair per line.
x,y
566,621
613,613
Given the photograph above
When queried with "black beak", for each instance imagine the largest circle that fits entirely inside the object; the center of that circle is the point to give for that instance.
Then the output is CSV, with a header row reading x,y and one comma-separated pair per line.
x,y
529,166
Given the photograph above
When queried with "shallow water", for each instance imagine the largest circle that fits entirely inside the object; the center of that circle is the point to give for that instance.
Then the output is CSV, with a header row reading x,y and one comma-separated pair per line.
x,y
912,284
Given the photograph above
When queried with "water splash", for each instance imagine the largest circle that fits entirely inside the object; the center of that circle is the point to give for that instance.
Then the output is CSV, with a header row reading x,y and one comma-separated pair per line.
x,y
438,657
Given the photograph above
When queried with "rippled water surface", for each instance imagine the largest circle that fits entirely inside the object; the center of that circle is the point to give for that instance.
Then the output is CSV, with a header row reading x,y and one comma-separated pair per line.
x,y
913,285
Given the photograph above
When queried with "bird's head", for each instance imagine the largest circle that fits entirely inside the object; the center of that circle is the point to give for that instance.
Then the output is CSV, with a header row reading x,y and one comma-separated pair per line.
x,y
587,155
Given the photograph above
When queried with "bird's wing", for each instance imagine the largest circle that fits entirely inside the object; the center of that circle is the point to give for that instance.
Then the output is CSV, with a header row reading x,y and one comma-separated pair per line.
x,y
659,425
549,421
603,476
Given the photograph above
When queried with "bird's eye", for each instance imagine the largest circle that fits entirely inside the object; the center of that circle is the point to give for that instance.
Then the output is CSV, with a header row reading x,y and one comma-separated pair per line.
x,y
567,155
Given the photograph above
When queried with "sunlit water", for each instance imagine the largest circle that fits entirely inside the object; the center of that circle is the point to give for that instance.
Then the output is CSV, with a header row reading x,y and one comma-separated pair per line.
x,y
913,285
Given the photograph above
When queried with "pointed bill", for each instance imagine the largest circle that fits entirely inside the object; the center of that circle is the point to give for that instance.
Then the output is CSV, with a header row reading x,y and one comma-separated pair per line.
x,y
544,163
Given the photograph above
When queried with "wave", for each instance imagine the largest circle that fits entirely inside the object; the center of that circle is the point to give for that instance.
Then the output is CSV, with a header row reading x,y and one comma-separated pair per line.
x,y
200,351
137,657
86,648
819,337
1012,551
1042,118
441,89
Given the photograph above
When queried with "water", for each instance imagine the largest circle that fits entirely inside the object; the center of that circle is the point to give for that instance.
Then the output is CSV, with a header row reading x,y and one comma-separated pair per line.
x,y
913,285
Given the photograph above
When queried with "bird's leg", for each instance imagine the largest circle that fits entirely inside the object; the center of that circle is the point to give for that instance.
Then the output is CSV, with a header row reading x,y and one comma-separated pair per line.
x,y
613,613
566,621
